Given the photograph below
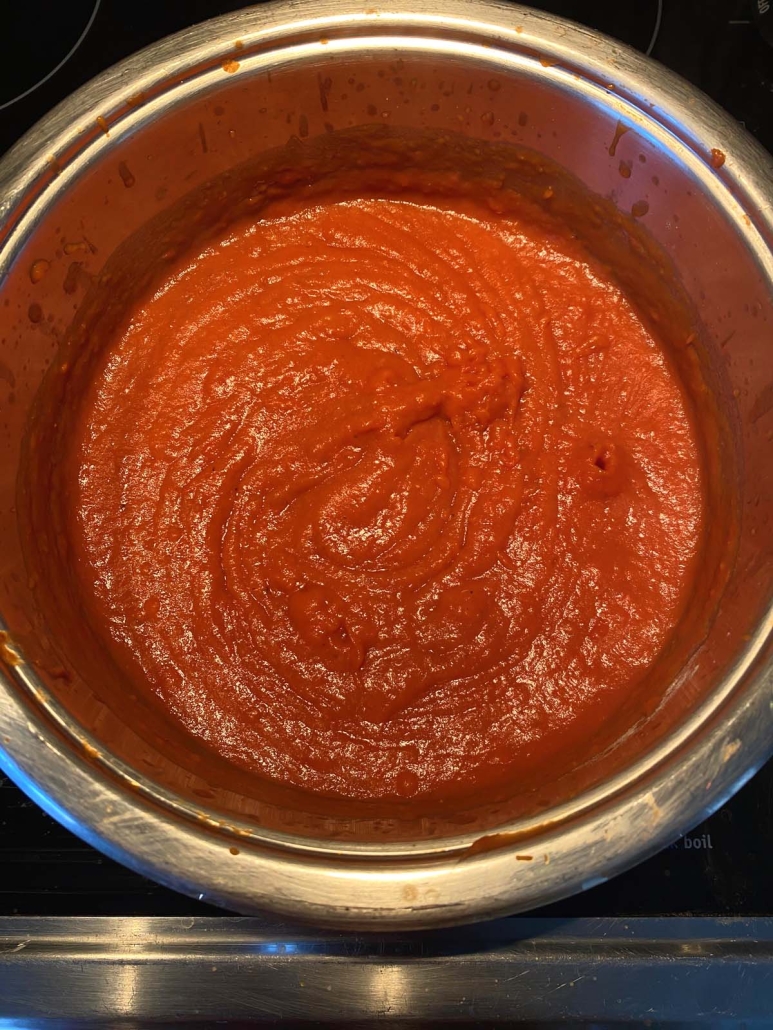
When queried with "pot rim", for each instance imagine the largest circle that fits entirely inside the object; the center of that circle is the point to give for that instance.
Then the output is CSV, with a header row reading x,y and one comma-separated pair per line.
x,y
401,885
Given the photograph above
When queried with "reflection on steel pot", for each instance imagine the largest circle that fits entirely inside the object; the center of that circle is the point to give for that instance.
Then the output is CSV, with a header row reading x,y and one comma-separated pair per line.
x,y
184,119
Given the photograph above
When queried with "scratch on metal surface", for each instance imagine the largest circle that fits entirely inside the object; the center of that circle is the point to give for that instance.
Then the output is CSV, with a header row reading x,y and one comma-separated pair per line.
x,y
17,947
117,819
568,983
517,976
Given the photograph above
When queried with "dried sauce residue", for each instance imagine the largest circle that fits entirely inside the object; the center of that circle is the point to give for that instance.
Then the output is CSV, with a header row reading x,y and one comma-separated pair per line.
x,y
763,404
325,85
73,277
8,654
81,246
620,131
6,374
38,269
127,178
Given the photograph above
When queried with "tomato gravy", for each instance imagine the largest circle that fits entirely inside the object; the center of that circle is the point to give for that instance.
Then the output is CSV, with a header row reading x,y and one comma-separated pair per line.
x,y
387,495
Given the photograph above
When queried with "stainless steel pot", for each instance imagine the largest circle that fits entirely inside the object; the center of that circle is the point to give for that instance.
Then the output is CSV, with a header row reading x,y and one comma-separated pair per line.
x,y
142,135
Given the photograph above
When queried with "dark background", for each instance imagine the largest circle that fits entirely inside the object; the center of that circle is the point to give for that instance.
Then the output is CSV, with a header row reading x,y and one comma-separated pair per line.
x,y
723,47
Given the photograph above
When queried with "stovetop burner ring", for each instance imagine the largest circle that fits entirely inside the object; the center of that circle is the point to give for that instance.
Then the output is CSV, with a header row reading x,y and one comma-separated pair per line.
x,y
60,64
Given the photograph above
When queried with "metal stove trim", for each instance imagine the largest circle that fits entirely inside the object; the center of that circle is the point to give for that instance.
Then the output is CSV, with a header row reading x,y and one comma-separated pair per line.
x,y
133,971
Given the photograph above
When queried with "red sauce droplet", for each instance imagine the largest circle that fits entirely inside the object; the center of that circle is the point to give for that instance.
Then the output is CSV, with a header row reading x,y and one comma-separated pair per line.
x,y
71,280
717,158
38,269
620,131
127,177
325,85
640,208
230,66
78,247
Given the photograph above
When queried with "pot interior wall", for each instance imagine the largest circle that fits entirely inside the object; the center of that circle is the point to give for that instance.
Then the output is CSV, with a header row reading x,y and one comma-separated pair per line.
x,y
154,152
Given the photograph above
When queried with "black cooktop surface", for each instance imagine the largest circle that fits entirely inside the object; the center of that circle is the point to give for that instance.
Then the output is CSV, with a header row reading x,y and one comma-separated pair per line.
x,y
723,46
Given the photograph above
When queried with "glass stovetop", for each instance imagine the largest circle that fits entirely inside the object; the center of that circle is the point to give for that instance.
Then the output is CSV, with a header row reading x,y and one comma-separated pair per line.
x,y
722,868
720,45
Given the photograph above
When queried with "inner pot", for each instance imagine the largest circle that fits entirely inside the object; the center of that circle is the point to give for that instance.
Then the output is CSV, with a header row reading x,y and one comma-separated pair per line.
x,y
193,133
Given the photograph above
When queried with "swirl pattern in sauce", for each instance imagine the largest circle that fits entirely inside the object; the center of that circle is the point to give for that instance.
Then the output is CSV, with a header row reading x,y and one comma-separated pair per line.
x,y
387,497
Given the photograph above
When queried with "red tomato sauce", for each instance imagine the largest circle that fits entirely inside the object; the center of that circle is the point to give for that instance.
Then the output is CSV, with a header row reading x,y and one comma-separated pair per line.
x,y
387,497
